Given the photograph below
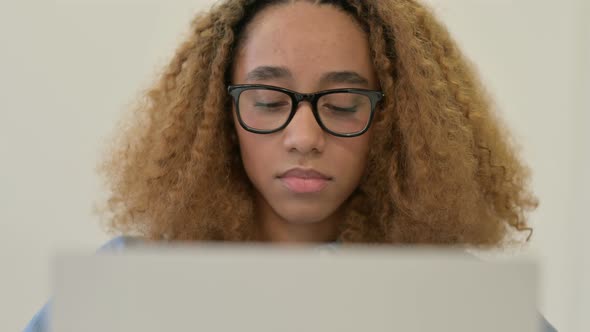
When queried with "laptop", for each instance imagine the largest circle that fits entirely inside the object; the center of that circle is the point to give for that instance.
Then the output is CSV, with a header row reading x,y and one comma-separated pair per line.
x,y
218,288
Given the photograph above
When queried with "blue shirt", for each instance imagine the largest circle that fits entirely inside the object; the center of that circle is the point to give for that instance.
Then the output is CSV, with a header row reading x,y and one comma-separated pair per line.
x,y
40,322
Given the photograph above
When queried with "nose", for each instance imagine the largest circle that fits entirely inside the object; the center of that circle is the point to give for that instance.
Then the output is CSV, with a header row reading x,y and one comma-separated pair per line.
x,y
304,134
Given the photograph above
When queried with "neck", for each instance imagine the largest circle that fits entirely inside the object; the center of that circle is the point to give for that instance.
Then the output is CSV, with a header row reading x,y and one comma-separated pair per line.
x,y
274,228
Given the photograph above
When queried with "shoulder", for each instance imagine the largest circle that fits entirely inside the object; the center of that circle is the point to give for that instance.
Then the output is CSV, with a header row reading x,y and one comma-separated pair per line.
x,y
120,243
545,325
39,322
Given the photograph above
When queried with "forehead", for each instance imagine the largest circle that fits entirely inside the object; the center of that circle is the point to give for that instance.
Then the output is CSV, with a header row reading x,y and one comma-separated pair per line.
x,y
307,39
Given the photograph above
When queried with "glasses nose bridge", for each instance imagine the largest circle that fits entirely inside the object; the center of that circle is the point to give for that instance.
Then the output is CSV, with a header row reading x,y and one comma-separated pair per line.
x,y
308,97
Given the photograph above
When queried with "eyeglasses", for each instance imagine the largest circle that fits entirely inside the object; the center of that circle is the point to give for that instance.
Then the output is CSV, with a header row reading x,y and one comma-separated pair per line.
x,y
265,109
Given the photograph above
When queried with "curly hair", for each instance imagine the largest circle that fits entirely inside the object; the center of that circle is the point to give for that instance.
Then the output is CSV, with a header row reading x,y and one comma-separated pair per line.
x,y
441,170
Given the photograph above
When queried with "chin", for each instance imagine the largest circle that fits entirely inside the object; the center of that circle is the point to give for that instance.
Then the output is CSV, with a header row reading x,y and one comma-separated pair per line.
x,y
304,215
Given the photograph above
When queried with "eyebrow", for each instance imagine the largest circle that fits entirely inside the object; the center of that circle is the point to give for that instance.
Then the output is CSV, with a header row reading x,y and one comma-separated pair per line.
x,y
349,77
266,73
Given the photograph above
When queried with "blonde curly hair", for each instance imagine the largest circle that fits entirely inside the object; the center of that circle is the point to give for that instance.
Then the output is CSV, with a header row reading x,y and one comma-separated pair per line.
x,y
441,170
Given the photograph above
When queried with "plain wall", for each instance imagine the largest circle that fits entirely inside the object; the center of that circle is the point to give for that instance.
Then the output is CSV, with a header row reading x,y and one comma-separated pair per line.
x,y
69,69
580,246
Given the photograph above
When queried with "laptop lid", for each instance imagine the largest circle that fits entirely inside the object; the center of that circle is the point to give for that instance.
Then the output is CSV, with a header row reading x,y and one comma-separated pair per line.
x,y
268,289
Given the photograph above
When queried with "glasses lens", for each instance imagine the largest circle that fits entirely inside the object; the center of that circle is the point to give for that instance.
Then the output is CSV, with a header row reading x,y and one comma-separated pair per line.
x,y
264,109
345,113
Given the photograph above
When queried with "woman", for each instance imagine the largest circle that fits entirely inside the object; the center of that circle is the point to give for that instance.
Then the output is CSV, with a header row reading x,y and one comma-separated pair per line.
x,y
312,122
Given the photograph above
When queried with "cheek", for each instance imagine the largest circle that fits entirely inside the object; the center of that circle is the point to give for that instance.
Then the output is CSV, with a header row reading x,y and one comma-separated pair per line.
x,y
361,157
255,153
353,152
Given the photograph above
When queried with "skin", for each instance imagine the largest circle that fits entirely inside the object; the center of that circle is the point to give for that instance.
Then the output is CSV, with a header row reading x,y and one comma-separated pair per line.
x,y
306,42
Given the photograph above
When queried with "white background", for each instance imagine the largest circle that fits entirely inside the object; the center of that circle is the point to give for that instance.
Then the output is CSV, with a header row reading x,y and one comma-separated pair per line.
x,y
68,69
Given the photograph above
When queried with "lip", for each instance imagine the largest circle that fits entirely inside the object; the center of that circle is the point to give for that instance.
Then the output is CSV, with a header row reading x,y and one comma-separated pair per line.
x,y
304,173
301,180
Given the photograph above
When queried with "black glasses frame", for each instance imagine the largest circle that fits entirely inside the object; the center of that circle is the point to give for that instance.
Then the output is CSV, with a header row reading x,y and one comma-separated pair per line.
x,y
236,90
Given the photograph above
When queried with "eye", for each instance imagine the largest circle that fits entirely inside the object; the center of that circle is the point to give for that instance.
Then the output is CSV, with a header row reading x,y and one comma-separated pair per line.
x,y
275,104
341,103
272,107
341,109
265,100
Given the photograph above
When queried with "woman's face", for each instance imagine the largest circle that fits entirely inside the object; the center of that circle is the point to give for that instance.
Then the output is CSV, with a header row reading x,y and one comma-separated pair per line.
x,y
303,174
